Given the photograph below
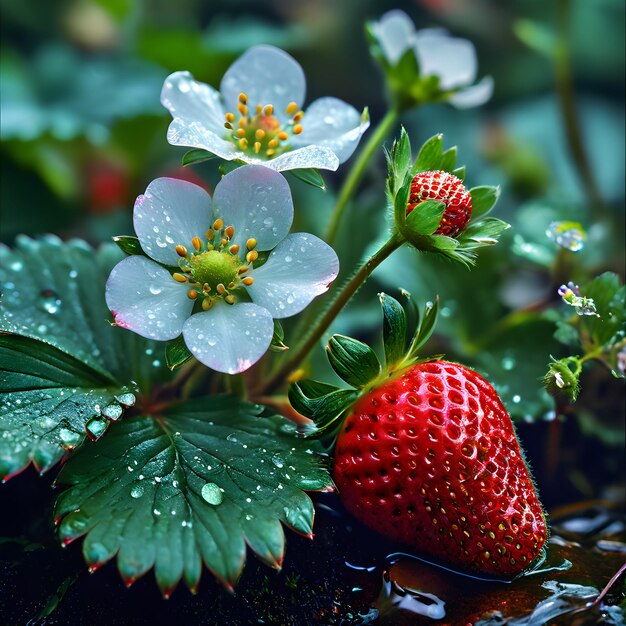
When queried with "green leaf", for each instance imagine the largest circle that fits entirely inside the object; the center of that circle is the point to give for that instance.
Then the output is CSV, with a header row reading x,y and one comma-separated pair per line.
x,y
129,245
66,372
176,353
310,176
197,155
394,329
429,156
49,403
190,486
399,162
353,361
608,295
484,199
278,344
425,218
230,166
324,404
484,232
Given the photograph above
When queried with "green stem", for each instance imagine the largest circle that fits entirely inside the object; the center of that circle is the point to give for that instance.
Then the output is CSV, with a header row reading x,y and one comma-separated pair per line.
x,y
355,175
323,323
565,89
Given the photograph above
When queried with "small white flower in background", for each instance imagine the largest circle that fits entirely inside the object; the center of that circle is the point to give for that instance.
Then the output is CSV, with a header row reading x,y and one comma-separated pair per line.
x,y
204,278
570,294
257,115
451,60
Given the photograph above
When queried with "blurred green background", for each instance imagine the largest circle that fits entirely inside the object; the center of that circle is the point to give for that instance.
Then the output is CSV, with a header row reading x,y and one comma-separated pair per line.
x,y
83,133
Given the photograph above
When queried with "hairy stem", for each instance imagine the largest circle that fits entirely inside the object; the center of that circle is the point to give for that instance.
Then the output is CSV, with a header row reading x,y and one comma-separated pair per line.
x,y
355,175
342,297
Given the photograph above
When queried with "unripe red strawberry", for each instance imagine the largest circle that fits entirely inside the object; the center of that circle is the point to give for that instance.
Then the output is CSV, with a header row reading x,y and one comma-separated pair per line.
x,y
430,459
449,189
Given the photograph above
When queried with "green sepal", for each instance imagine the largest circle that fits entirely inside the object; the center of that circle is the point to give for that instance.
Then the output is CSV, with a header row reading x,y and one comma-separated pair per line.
x,y
484,199
425,327
278,344
447,162
484,232
129,245
394,329
310,176
459,172
230,166
561,380
176,353
425,218
197,155
429,157
398,162
353,361
324,404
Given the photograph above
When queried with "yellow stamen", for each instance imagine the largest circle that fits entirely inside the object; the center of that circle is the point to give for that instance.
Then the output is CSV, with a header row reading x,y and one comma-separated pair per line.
x,y
241,132
230,299
224,242
253,255
297,129
234,249
206,288
243,270
247,281
243,144
272,143
210,234
243,109
181,251
197,244
242,123
243,98
179,278
192,295
292,107
257,147
230,117
260,134
298,116
229,232
282,135
269,152
231,285
268,110
218,224
221,289
259,109
251,243
206,304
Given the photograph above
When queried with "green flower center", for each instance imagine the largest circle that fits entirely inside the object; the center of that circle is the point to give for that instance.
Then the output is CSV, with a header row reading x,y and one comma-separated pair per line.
x,y
213,269
262,133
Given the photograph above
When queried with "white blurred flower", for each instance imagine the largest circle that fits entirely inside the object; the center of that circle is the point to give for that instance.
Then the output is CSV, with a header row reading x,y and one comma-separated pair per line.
x,y
222,299
451,60
256,116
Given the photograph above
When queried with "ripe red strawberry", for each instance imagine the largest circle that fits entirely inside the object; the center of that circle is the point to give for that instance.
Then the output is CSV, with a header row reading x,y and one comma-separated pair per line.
x,y
430,459
450,190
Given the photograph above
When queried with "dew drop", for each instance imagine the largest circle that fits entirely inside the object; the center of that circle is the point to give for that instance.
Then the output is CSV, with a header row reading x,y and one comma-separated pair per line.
x,y
212,494
136,491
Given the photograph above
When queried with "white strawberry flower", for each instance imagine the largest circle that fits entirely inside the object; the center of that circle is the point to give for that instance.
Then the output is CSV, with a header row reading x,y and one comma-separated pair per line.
x,y
452,60
204,277
257,116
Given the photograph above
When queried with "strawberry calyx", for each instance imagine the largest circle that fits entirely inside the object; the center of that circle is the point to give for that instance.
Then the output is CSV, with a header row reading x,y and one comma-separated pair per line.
x,y
358,365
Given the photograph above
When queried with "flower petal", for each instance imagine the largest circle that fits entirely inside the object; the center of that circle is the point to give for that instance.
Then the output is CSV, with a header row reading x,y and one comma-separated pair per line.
x,y
334,124
310,156
473,96
298,269
257,202
191,101
453,60
267,75
171,212
144,298
227,338
395,32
